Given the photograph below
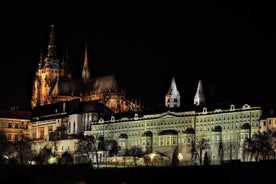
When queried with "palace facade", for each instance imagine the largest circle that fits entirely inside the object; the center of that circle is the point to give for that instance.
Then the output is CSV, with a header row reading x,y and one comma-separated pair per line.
x,y
223,130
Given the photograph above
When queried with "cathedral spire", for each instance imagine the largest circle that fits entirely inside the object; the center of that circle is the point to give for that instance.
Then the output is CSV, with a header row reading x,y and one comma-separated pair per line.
x,y
172,98
199,98
52,46
85,69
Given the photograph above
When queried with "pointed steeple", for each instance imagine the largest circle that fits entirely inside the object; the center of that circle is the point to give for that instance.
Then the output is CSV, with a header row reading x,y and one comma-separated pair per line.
x,y
172,98
199,98
52,46
85,69
173,89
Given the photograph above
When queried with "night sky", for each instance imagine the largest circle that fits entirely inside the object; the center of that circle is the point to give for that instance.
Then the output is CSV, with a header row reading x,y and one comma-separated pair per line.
x,y
230,47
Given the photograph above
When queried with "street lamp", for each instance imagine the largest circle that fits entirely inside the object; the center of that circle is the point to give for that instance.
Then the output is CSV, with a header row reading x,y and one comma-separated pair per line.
x,y
180,157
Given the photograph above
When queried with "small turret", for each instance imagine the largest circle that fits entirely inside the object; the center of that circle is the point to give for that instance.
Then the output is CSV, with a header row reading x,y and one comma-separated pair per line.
x,y
172,98
199,98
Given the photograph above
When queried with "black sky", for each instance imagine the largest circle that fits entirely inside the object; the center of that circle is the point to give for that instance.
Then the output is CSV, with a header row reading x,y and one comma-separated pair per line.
x,y
230,47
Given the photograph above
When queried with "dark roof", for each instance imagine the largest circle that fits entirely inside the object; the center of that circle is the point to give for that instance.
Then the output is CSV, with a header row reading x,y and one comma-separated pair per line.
x,y
69,87
16,114
66,108
55,109
93,106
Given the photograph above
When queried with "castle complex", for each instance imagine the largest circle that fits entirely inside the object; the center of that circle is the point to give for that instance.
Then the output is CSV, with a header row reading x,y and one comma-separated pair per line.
x,y
98,108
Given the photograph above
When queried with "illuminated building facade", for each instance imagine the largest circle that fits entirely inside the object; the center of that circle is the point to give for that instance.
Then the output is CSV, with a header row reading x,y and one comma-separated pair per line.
x,y
223,129
59,125
160,131
15,123
54,83
268,124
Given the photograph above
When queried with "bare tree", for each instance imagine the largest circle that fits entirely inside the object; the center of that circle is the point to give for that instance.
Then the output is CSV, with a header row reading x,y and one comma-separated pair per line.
x,y
87,145
66,158
43,156
206,159
112,146
23,151
194,153
263,144
273,144
221,151
175,160
135,152
248,149
201,146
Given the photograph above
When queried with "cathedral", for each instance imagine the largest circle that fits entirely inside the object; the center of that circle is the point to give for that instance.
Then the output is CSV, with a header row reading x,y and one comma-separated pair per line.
x,y
54,83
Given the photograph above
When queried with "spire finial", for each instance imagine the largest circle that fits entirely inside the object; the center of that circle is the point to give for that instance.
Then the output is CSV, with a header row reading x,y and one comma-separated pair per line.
x,y
52,46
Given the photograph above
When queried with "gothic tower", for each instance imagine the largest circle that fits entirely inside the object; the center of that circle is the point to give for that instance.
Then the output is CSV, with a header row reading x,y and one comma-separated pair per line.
x,y
48,72
172,98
